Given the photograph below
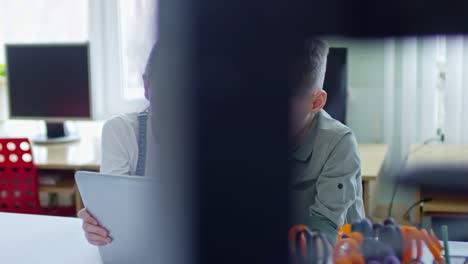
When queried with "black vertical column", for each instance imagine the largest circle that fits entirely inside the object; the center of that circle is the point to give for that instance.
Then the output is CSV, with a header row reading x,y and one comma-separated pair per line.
x,y
221,108
221,111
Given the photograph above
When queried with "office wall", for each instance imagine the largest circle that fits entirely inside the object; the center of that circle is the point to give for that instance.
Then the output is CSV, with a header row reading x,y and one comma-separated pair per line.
x,y
381,73
366,81
3,101
365,87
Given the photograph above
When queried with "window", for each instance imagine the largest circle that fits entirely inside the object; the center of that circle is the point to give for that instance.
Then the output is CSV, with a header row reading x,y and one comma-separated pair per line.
x,y
42,21
138,34
120,32
27,21
441,73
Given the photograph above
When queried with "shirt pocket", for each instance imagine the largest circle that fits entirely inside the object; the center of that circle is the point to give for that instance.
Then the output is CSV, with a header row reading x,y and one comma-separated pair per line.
x,y
304,176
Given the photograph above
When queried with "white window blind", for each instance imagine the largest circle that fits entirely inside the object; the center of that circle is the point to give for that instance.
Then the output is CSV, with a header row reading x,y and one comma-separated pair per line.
x,y
121,33
456,90
138,33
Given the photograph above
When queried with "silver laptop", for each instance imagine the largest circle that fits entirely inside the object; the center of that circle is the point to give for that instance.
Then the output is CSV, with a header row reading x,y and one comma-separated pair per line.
x,y
127,207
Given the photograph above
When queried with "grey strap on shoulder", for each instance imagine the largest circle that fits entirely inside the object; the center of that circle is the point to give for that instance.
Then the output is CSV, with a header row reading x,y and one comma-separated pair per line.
x,y
142,126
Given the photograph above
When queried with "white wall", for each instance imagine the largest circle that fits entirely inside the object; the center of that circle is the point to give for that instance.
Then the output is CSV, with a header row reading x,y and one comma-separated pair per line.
x,y
392,99
365,87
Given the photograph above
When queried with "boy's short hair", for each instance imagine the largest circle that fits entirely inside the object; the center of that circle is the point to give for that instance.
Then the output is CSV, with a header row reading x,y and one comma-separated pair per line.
x,y
308,65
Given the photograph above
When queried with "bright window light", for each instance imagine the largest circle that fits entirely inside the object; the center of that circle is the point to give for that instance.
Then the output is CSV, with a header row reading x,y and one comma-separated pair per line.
x,y
138,34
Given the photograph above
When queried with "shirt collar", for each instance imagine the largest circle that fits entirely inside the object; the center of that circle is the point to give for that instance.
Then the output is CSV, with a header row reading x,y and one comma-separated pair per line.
x,y
305,149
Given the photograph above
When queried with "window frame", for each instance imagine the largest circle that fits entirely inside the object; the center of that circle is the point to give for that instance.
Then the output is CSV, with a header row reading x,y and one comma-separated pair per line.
x,y
107,61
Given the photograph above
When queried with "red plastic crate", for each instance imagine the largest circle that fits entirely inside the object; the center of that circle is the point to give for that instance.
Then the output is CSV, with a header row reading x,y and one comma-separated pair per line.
x,y
18,177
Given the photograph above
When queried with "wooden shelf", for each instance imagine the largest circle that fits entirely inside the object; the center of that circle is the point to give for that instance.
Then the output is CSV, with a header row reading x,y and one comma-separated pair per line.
x,y
61,159
64,186
84,154
449,206
372,159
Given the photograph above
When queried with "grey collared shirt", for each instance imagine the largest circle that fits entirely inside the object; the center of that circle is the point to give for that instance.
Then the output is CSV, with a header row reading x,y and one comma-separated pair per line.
x,y
326,181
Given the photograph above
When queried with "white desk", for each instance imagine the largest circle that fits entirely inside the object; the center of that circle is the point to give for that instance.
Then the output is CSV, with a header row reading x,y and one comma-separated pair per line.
x,y
458,251
372,159
44,239
443,203
48,239
84,154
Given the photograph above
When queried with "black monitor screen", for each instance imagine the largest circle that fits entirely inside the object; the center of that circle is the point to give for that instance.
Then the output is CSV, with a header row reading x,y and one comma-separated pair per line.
x,y
48,81
335,84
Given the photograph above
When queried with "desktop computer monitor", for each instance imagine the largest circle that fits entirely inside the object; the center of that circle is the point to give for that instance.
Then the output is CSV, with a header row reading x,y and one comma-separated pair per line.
x,y
49,82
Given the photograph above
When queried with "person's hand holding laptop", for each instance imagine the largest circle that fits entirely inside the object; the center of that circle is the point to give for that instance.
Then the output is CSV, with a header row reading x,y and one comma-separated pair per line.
x,y
95,234
122,216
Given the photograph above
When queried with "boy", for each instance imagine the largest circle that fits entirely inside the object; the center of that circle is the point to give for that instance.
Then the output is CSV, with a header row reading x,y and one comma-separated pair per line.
x,y
325,182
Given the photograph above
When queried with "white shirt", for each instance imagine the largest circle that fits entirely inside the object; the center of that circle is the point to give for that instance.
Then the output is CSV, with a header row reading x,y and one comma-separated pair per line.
x,y
120,145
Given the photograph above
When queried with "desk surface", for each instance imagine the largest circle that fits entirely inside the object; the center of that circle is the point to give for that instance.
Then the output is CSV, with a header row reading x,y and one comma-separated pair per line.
x,y
81,155
444,154
86,153
47,239
44,239
372,159
438,154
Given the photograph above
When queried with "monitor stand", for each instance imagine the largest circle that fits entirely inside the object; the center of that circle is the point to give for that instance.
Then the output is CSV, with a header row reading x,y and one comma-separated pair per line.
x,y
56,133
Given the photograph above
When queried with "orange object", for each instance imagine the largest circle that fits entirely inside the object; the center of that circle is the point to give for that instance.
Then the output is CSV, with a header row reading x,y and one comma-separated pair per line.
x,y
348,246
303,244
292,237
436,240
411,237
348,251
358,237
301,252
345,229
433,245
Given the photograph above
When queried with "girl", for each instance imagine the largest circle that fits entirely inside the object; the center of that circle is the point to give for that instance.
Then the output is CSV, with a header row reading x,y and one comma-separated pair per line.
x,y
127,141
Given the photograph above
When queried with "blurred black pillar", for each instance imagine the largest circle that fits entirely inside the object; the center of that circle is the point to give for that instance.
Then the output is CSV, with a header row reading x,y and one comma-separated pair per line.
x,y
226,92
222,108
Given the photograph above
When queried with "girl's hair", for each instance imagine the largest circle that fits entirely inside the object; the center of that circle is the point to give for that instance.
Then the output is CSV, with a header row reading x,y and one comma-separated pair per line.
x,y
151,63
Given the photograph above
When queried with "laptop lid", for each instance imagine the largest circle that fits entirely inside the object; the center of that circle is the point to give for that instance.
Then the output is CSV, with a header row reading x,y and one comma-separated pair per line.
x,y
126,206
